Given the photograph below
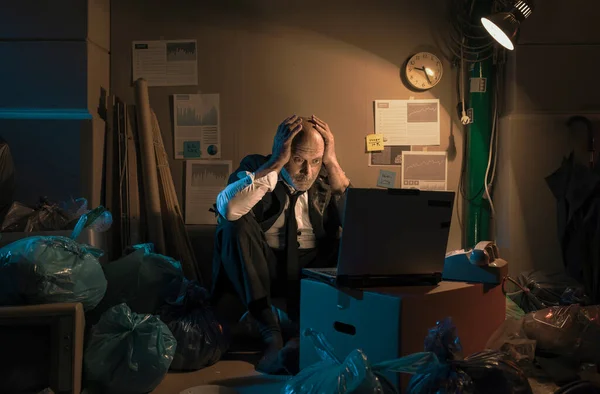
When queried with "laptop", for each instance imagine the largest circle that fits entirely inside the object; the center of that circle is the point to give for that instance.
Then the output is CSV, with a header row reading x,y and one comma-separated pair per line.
x,y
391,237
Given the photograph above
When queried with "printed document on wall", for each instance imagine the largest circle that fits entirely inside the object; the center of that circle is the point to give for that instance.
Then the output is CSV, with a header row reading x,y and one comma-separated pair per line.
x,y
197,131
408,122
425,170
204,180
166,63
389,156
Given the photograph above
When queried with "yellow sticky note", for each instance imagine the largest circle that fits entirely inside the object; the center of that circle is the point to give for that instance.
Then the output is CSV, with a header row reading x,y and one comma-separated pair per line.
x,y
374,142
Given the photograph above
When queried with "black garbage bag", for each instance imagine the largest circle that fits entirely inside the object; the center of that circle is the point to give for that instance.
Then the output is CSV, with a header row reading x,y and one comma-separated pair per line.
x,y
487,372
577,191
201,339
48,216
535,290
16,218
7,178
142,279
128,353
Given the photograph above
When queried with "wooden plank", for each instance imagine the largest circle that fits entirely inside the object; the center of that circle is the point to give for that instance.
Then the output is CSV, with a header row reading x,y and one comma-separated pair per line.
x,y
136,234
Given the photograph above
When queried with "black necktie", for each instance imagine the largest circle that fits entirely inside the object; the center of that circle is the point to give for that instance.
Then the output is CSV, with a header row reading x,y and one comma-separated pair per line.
x,y
291,238
292,259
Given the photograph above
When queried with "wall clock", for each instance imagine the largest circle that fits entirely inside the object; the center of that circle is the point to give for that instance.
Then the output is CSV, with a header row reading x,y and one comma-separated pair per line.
x,y
422,71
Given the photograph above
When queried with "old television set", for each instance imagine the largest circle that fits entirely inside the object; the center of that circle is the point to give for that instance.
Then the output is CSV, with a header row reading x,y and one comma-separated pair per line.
x,y
41,348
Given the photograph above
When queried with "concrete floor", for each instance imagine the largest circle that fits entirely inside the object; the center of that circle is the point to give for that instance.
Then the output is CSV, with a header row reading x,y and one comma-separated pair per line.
x,y
236,372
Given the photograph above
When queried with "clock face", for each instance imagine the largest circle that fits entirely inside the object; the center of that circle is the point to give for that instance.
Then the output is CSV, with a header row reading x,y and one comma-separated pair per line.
x,y
423,71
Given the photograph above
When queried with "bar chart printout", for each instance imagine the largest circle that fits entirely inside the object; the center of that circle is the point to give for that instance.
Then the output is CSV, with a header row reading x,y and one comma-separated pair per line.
x,y
204,179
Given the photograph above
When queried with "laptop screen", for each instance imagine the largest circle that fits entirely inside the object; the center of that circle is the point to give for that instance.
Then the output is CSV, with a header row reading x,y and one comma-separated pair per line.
x,y
389,232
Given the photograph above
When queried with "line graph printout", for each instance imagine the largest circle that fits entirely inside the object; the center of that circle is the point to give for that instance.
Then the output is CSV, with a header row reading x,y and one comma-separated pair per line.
x,y
424,170
196,119
166,63
408,122
204,179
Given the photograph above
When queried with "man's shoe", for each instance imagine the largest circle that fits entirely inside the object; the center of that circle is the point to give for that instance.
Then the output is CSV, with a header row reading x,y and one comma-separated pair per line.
x,y
289,356
270,362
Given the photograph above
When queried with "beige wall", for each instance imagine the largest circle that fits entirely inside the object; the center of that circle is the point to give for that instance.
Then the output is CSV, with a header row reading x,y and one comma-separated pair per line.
x,y
269,60
550,78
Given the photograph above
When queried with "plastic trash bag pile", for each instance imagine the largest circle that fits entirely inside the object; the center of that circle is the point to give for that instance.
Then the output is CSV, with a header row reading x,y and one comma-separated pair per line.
x,y
143,328
535,290
354,374
441,368
571,333
550,328
486,372
144,317
50,216
51,269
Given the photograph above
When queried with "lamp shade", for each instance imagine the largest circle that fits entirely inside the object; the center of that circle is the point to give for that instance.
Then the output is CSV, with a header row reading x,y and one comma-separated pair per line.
x,y
503,27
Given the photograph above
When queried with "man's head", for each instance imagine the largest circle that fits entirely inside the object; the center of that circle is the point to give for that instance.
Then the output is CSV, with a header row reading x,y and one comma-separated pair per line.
x,y
307,157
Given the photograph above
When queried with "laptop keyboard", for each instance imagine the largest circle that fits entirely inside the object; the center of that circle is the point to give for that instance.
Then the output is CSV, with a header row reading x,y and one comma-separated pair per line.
x,y
330,271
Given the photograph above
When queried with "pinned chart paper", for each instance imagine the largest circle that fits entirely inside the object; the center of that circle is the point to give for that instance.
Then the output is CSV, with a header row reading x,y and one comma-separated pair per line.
x,y
424,170
386,179
197,131
375,142
408,122
166,63
204,180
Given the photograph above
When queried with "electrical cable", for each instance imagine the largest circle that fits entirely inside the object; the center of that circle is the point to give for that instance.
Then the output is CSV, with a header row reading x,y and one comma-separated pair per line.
x,y
489,164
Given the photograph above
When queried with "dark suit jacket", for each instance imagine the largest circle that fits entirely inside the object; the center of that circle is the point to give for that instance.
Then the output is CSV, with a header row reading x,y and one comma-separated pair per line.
x,y
325,208
325,212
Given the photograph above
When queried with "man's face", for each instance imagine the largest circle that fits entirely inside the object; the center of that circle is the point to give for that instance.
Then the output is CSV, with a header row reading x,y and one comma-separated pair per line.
x,y
307,157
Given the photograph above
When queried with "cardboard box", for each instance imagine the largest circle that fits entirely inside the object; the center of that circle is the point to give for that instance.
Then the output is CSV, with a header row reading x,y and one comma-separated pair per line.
x,y
389,323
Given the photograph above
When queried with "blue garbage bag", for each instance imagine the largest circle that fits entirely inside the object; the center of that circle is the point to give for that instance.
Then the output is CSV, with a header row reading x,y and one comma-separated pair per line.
x,y
142,279
50,269
128,353
354,374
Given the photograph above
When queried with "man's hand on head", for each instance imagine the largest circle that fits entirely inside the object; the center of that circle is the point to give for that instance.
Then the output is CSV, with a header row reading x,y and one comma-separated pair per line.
x,y
282,145
336,176
329,157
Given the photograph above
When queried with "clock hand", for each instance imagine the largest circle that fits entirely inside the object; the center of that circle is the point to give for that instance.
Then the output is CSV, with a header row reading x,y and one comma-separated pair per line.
x,y
424,72
427,76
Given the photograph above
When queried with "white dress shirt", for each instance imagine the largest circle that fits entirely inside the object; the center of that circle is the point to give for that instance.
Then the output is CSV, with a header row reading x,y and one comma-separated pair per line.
x,y
238,198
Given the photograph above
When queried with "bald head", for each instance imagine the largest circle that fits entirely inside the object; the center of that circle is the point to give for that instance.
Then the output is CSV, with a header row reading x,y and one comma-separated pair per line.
x,y
305,163
308,138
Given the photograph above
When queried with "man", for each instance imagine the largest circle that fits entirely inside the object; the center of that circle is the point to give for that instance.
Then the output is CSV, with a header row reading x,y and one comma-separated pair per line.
x,y
280,213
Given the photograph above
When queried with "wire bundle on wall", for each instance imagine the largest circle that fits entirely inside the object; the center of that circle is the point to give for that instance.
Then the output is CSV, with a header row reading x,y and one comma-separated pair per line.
x,y
470,44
